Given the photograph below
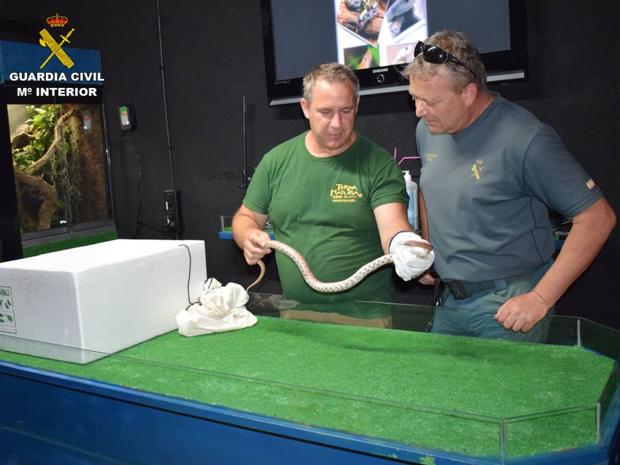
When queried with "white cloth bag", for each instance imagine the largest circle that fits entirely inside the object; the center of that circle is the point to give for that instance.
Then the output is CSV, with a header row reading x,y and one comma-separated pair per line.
x,y
220,308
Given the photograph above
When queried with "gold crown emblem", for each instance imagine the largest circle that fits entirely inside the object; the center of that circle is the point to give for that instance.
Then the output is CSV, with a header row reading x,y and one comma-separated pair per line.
x,y
57,20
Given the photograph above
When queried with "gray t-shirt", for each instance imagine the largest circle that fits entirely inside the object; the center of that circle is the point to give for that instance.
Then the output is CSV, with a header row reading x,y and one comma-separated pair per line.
x,y
487,189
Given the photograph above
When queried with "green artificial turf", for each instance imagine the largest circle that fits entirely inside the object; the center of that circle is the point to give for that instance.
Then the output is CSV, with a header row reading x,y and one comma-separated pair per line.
x,y
426,390
77,241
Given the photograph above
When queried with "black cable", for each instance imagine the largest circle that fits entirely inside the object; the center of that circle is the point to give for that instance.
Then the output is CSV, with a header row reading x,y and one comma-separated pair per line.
x,y
165,103
244,181
141,222
189,275
138,182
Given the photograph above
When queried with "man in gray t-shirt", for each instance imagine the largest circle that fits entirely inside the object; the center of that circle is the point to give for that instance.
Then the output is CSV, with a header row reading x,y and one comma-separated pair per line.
x,y
490,172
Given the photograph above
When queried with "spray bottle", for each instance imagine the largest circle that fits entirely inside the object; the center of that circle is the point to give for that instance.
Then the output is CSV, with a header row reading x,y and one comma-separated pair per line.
x,y
412,192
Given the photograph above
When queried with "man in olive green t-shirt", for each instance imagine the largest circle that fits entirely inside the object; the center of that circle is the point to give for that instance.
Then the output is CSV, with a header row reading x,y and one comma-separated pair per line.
x,y
332,195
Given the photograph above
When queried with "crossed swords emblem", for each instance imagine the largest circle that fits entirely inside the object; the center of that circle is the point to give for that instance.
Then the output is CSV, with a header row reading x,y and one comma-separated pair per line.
x,y
47,40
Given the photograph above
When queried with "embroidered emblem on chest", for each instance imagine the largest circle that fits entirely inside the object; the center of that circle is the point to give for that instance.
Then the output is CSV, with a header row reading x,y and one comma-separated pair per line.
x,y
476,169
345,193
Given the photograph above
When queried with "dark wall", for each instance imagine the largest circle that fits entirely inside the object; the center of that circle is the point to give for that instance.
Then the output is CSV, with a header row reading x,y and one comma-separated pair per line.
x,y
213,56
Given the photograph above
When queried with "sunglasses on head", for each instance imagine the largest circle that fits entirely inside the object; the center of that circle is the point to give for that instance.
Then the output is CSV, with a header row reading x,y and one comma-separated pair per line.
x,y
437,56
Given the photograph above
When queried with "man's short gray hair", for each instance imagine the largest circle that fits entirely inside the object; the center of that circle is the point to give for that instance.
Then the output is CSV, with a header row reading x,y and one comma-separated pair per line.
x,y
456,44
330,72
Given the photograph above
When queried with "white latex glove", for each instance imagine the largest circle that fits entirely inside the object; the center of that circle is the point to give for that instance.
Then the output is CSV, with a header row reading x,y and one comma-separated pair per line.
x,y
410,261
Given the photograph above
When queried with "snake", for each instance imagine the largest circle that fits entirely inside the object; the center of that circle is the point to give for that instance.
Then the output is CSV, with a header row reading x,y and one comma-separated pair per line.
x,y
334,286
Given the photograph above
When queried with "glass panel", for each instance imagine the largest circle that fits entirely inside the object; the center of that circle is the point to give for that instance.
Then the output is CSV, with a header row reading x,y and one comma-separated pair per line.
x,y
600,338
492,400
47,350
376,314
60,166
564,330
573,428
578,424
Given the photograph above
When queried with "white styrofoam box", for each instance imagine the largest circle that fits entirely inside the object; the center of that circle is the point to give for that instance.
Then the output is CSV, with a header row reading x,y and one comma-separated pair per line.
x,y
84,303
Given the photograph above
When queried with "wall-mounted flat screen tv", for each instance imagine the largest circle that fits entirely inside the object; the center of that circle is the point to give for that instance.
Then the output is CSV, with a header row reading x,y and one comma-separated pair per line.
x,y
376,38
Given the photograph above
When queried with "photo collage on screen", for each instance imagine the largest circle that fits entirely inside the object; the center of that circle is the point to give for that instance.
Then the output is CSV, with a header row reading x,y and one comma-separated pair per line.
x,y
372,33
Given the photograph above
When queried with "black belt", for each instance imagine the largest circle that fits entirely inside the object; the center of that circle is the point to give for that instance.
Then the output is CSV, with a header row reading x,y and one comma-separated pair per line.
x,y
463,289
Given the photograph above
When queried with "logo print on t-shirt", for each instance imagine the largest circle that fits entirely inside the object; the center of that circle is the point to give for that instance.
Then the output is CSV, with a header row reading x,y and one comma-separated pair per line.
x,y
476,169
345,193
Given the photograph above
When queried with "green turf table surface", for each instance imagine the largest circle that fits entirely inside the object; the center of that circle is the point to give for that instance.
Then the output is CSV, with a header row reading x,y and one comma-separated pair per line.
x,y
420,389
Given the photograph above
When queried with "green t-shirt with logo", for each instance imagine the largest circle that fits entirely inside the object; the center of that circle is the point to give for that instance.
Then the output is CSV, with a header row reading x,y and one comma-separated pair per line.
x,y
323,208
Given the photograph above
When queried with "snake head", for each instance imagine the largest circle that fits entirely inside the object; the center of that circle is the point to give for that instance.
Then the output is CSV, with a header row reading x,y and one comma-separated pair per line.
x,y
422,245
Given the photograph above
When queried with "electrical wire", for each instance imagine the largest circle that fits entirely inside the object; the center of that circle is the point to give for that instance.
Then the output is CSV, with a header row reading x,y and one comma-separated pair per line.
x,y
189,276
165,103
138,183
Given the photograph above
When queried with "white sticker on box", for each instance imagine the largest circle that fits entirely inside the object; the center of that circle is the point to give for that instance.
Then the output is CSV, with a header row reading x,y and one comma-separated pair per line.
x,y
7,315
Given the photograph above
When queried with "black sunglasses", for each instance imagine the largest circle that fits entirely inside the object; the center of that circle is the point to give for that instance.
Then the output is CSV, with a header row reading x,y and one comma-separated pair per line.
x,y
437,56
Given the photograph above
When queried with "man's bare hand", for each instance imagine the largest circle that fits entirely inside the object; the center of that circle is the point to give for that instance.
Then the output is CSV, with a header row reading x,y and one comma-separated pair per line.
x,y
253,249
522,312
427,279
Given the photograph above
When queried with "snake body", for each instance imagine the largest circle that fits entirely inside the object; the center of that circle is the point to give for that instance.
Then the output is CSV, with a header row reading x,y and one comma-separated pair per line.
x,y
335,286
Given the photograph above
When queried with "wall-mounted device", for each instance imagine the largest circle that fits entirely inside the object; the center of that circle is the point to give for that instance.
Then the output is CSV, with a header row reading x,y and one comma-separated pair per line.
x,y
172,207
127,117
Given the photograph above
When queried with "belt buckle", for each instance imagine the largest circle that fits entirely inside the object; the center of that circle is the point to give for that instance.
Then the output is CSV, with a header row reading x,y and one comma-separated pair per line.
x,y
457,289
